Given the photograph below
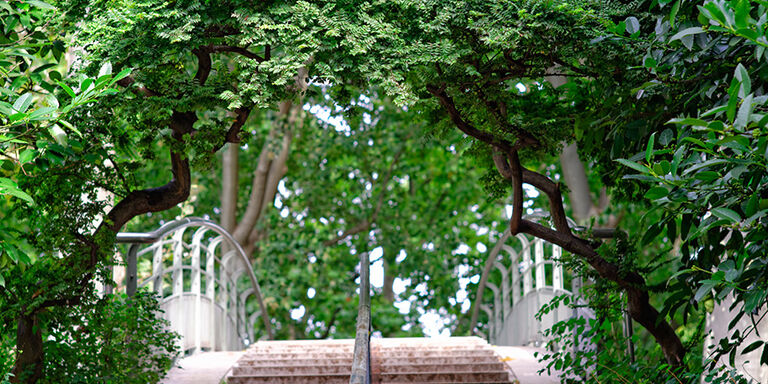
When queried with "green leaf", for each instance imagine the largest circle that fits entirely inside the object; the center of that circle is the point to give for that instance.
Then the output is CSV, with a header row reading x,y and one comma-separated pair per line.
x,y
745,110
742,75
22,103
9,187
40,4
634,165
686,32
753,346
727,214
707,176
70,127
656,193
676,158
689,121
66,89
703,291
741,13
649,148
650,234
666,137
41,113
752,205
704,164
121,75
764,356
633,25
106,69
752,300
27,155
673,13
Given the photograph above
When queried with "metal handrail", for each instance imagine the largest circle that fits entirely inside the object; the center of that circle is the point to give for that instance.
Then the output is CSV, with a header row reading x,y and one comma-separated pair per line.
x,y
137,239
361,361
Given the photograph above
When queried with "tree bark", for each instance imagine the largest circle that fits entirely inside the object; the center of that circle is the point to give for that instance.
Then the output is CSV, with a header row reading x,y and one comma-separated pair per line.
x,y
387,290
229,187
639,306
28,367
576,179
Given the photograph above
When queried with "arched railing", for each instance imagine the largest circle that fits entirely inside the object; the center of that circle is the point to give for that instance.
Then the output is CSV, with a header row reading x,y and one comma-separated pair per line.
x,y
203,279
531,276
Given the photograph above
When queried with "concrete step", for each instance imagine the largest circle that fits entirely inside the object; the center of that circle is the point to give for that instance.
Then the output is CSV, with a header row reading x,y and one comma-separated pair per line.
x,y
393,367
407,360
293,379
247,361
263,370
250,370
405,353
444,377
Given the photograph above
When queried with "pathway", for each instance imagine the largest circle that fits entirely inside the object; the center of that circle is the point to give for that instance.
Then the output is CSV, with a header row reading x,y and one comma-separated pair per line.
x,y
455,359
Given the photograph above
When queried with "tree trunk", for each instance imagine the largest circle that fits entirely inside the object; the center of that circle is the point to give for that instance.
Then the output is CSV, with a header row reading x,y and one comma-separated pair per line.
x,y
576,179
229,187
388,291
28,367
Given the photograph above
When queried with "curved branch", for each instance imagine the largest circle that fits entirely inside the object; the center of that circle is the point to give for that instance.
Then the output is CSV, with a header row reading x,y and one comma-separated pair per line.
x,y
238,50
129,80
233,134
450,107
639,305
203,64
552,190
512,171
164,197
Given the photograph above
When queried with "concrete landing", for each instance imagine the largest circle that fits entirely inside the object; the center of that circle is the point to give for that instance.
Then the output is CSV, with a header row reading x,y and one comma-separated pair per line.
x,y
202,368
525,366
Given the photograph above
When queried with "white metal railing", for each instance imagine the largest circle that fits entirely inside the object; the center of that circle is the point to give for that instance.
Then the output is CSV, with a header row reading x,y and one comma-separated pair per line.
x,y
527,283
203,279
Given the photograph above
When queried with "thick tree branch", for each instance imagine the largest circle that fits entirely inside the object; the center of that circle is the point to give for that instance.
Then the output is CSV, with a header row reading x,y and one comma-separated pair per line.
x,y
233,134
552,190
238,50
144,91
203,64
524,139
631,282
164,197
512,171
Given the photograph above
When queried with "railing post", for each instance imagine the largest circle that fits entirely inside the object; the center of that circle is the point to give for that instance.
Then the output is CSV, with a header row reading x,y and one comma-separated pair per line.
x,y
361,373
131,270
539,265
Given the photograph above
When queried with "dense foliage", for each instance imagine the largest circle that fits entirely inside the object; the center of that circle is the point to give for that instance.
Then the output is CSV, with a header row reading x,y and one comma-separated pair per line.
x,y
427,103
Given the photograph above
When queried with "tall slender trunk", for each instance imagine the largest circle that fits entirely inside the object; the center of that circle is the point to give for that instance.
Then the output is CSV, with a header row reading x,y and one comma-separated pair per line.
x,y
229,187
388,291
576,179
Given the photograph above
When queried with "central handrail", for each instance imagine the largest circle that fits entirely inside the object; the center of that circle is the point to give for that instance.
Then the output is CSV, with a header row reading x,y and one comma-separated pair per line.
x,y
136,238
361,360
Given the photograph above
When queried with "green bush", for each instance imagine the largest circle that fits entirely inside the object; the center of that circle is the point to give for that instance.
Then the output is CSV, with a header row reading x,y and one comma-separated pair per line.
x,y
116,340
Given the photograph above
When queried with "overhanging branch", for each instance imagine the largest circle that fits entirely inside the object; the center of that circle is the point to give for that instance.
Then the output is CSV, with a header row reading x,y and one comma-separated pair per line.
x,y
239,50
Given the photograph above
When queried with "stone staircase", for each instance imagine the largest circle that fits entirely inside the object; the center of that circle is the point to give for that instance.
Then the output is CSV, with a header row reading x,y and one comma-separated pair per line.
x,y
402,360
